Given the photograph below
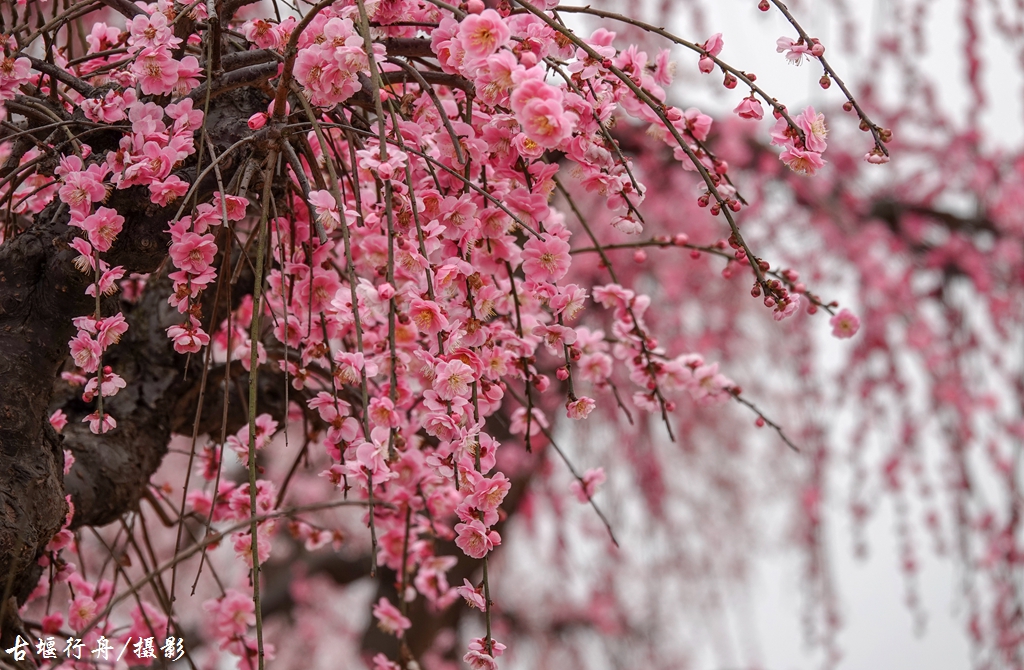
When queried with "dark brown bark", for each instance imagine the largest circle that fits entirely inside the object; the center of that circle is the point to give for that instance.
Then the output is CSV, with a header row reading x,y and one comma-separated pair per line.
x,y
41,290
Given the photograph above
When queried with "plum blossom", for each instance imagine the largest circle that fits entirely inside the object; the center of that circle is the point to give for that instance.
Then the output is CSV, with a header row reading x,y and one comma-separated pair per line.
x,y
795,50
591,480
100,424
473,595
579,408
102,227
749,108
231,615
474,539
81,612
845,324
193,253
389,619
546,259
712,47
480,35
452,379
801,161
13,73
428,317
815,131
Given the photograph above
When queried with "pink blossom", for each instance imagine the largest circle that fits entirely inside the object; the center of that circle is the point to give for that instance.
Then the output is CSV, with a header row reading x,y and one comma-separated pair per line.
x,y
389,619
81,189
473,595
370,457
81,612
474,539
568,301
167,191
185,117
51,623
326,209
546,122
112,383
156,70
483,34
352,366
110,108
102,227
194,253
845,324
591,480
380,661
147,621
546,259
876,157
58,420
102,37
708,384
815,131
428,317
580,408
151,31
188,75
529,85
627,225
232,615
188,338
696,123
795,53
802,162
488,492
85,351
242,544
108,282
258,120
452,379
13,73
749,108
264,34
713,45
234,205
478,657
98,426
556,337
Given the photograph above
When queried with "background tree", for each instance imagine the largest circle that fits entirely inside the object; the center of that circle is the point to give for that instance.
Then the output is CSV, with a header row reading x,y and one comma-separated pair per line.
x,y
328,289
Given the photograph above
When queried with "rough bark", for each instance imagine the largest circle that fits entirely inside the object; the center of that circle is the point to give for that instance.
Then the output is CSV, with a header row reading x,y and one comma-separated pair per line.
x,y
41,290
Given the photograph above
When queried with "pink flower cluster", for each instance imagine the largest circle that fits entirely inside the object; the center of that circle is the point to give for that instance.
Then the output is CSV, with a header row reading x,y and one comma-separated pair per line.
x,y
192,252
331,56
802,146
151,41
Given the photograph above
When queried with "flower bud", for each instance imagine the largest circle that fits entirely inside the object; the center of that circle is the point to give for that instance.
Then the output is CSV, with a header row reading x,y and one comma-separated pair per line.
x,y
257,120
